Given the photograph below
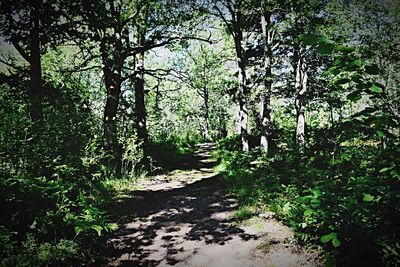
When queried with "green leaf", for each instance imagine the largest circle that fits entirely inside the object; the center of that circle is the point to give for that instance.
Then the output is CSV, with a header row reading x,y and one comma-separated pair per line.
x,y
303,225
308,212
336,242
380,133
330,261
81,197
357,62
342,81
368,198
286,208
355,96
97,228
326,238
5,234
112,226
325,48
78,230
313,39
316,192
375,89
385,169
345,49
325,40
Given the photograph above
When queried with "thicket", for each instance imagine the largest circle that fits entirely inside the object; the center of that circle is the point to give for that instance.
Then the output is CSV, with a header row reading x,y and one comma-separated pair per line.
x,y
51,188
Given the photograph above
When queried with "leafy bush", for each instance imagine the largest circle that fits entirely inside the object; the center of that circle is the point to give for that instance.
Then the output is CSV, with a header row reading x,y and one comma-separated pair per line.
x,y
34,253
51,190
347,202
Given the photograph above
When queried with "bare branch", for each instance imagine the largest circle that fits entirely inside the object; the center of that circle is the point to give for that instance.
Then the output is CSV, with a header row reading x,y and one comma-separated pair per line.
x,y
150,45
83,64
9,64
225,20
20,49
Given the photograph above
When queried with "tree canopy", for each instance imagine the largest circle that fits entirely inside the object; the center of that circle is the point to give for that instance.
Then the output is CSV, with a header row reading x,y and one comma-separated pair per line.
x,y
301,97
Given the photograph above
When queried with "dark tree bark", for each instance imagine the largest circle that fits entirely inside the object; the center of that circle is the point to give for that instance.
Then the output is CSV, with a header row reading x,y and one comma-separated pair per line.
x,y
140,107
113,86
242,87
35,85
235,24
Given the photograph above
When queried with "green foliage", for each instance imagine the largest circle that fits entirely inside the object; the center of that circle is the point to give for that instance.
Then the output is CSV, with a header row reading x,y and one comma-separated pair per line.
x,y
34,253
341,191
50,186
321,203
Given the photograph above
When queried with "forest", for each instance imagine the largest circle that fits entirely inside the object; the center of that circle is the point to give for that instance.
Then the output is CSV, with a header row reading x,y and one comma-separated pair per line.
x,y
200,133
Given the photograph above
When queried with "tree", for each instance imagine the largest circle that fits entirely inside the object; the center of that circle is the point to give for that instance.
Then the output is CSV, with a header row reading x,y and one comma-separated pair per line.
x,y
112,24
233,14
22,25
270,16
303,19
372,28
202,70
30,26
140,107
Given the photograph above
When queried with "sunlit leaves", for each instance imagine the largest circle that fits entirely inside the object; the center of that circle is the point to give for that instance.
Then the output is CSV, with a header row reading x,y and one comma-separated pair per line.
x,y
345,49
371,198
375,89
386,169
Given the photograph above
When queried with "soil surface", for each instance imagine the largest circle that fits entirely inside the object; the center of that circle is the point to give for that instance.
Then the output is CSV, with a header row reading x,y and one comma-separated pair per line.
x,y
186,218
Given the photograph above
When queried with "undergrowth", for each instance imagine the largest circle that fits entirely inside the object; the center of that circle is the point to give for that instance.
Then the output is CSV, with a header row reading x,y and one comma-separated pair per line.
x,y
347,201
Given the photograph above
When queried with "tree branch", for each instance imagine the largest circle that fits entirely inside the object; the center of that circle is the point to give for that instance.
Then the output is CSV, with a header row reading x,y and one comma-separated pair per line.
x,y
150,45
20,50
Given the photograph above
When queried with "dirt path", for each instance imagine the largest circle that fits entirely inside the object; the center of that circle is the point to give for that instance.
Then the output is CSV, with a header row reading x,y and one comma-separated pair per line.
x,y
185,218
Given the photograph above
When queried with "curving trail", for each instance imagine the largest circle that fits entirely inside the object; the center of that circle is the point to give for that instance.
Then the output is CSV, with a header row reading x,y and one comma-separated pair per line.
x,y
185,218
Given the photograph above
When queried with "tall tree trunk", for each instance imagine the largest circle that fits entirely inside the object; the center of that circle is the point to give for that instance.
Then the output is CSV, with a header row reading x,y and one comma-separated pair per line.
x,y
113,87
35,90
243,106
265,98
206,115
300,101
140,107
35,86
242,88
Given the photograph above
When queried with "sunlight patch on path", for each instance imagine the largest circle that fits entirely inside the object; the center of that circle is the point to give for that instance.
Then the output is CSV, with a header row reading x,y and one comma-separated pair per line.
x,y
186,218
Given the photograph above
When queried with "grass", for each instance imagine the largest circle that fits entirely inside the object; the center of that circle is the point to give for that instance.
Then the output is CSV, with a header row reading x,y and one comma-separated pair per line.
x,y
265,247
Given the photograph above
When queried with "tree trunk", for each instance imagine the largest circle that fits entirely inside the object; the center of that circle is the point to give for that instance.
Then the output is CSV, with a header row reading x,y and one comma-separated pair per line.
x,y
35,86
140,107
206,116
113,87
300,101
265,98
243,107
243,112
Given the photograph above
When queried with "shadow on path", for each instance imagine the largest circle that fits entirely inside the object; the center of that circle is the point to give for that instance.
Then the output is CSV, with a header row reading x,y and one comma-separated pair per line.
x,y
171,160
168,226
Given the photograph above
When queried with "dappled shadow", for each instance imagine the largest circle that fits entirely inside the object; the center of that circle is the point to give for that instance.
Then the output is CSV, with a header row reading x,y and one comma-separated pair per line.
x,y
167,226
159,225
171,160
